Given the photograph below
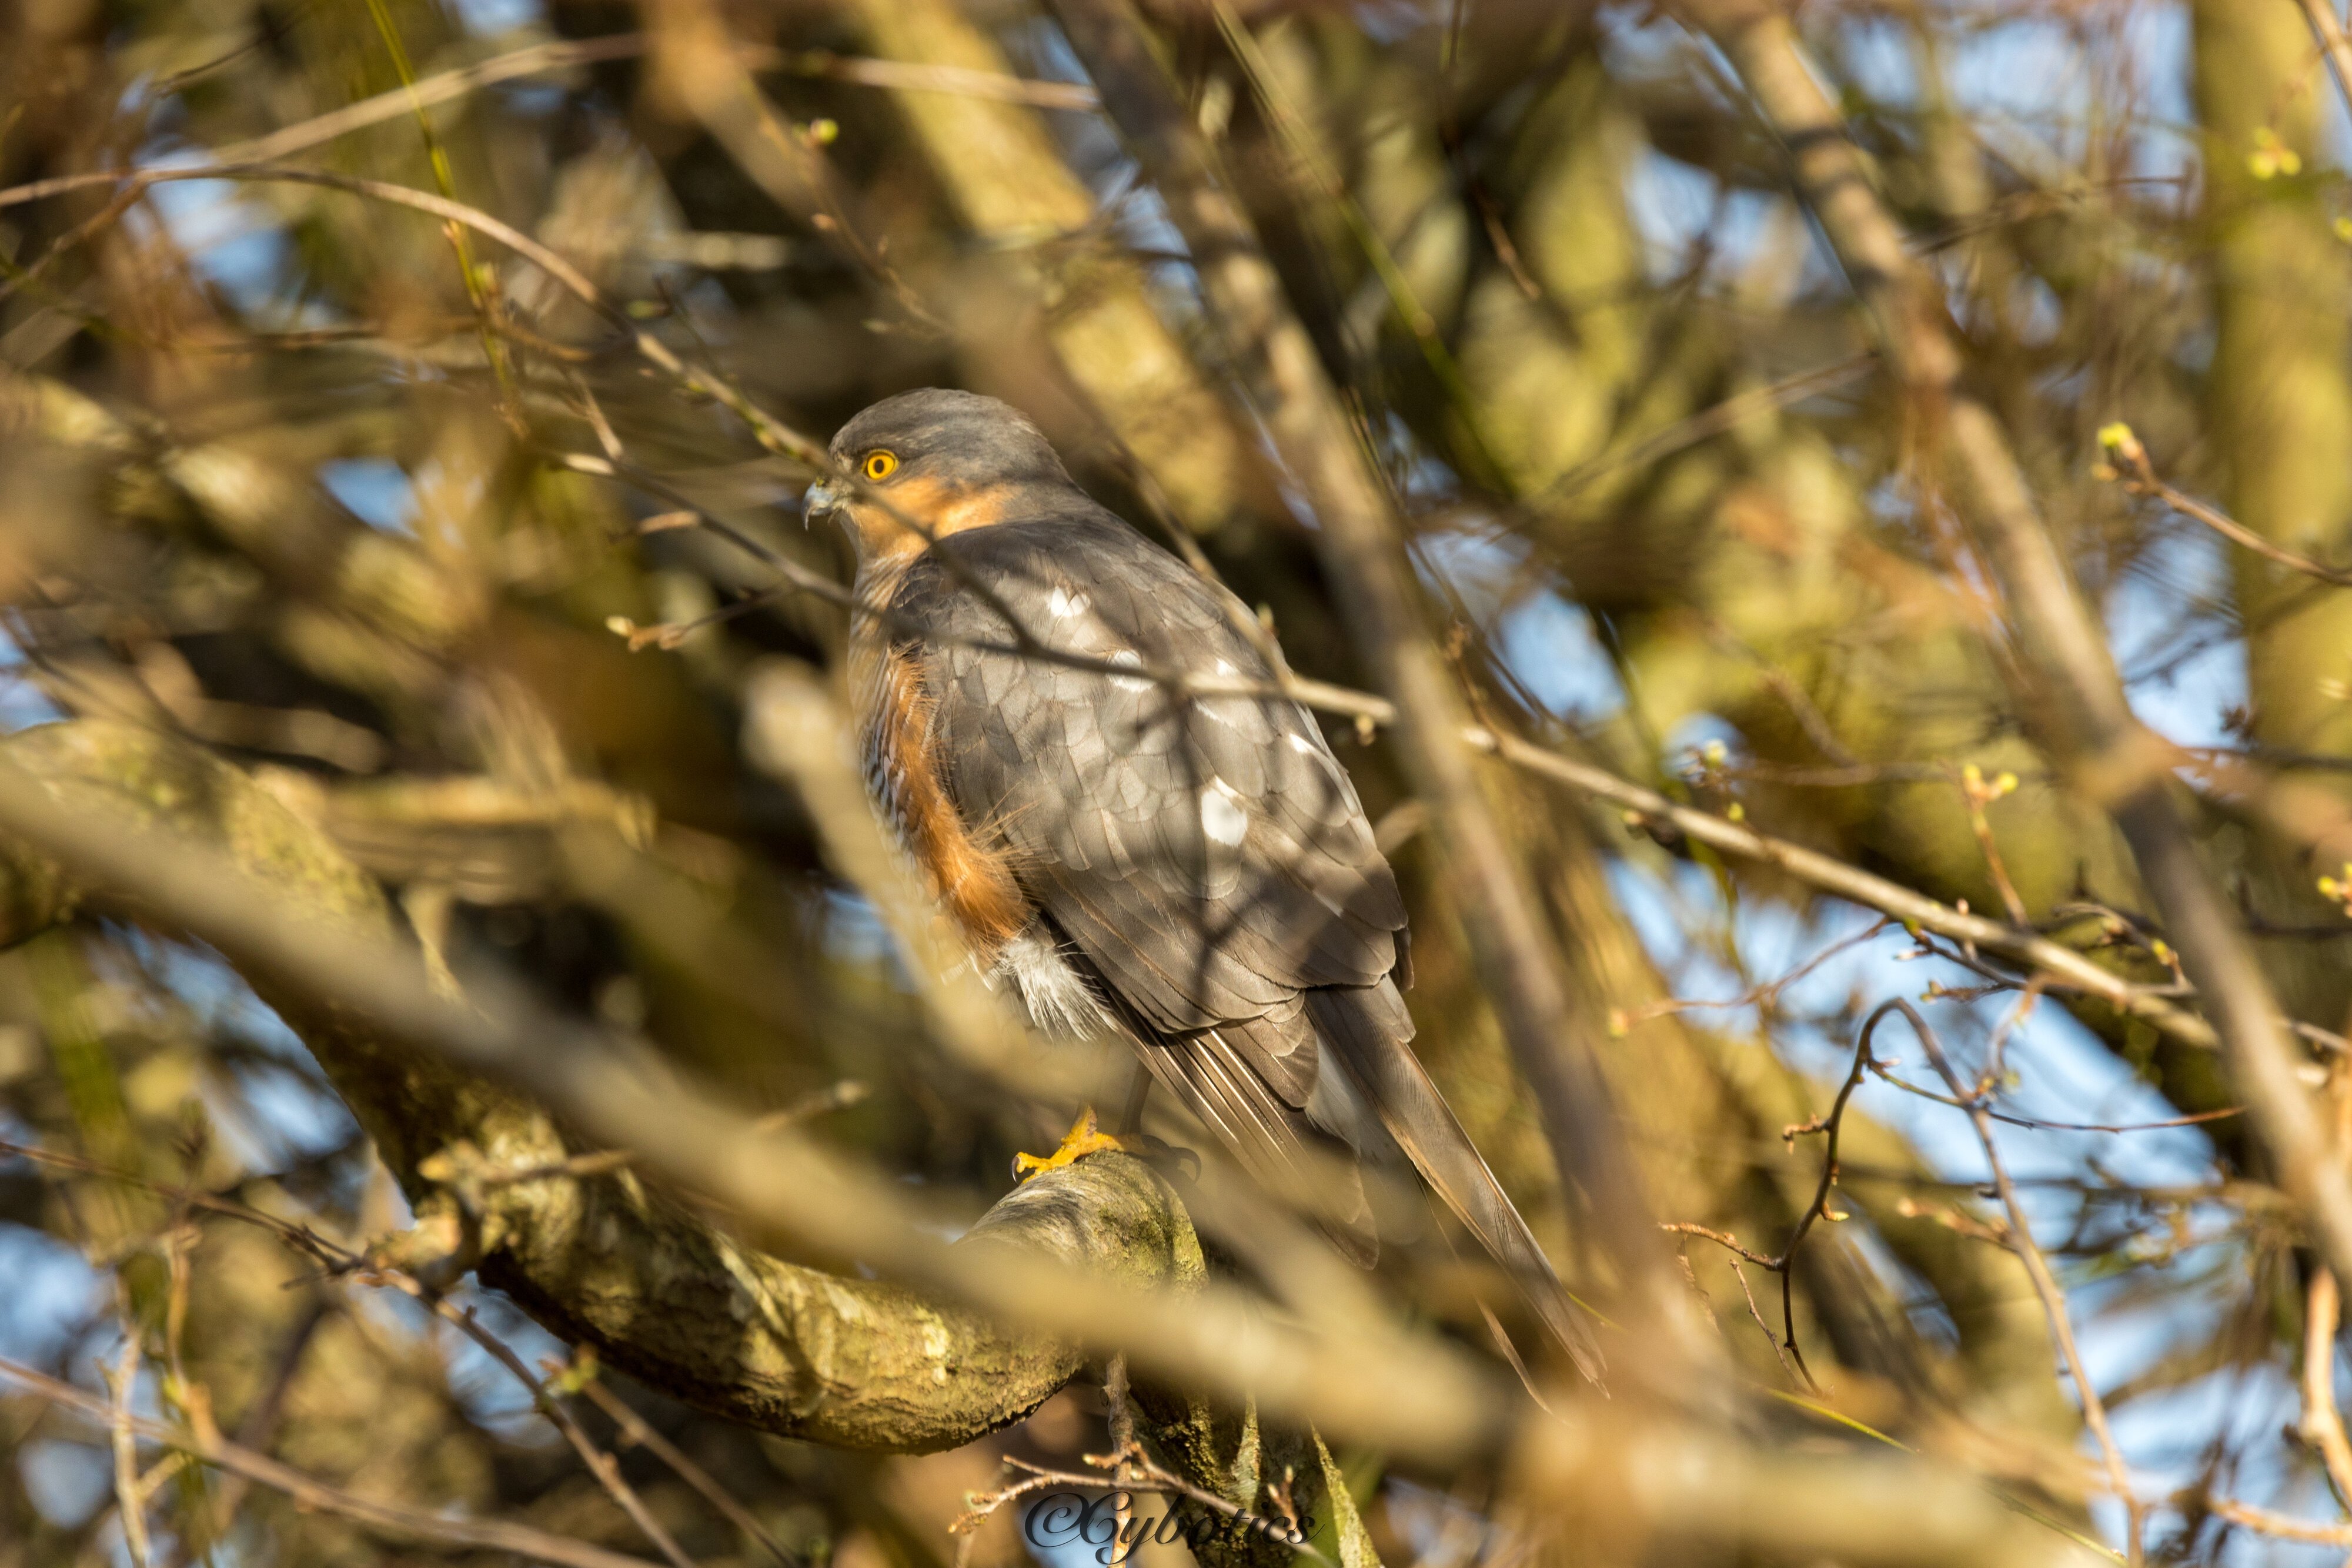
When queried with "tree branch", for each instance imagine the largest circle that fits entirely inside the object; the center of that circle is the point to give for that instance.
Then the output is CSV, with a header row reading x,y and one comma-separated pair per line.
x,y
233,488
606,1261
822,1356
2072,688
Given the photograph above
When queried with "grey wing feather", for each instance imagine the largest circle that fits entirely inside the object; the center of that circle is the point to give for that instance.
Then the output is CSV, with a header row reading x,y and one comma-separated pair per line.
x,y
1210,855
1207,857
1221,1083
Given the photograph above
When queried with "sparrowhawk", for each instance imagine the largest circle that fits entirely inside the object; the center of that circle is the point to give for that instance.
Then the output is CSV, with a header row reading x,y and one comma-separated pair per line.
x,y
1191,872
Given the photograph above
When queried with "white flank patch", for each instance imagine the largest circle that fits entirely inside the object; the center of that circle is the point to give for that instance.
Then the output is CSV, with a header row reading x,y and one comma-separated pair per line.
x,y
1063,604
1222,817
1057,997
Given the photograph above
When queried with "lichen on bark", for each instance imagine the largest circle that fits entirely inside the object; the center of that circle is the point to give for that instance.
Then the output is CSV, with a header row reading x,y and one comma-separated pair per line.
x,y
611,1261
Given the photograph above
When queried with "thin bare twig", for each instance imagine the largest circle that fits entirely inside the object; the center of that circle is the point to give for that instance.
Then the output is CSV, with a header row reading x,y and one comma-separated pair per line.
x,y
1293,128
341,1259
2328,28
2137,474
1704,425
600,1464
1129,1467
2037,1268
30,272
2286,1527
604,1162
634,1428
2197,1119
771,432
2065,964
695,50
1784,1351
2322,1421
259,1425
1978,792
1759,996
1124,1450
392,1519
549,60
131,1504
1830,1124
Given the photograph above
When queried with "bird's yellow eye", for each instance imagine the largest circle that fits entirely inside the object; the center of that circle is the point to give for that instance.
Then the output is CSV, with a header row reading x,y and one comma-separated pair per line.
x,y
879,466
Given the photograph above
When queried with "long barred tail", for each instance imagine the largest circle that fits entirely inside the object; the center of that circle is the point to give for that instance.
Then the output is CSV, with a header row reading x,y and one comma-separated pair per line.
x,y
1368,1028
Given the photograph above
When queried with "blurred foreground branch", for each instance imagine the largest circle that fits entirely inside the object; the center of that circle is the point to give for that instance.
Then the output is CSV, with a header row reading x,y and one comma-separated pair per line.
x,y
228,490
841,1360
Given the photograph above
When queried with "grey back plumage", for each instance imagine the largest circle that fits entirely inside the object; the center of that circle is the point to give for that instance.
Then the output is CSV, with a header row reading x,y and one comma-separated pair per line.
x,y
1205,856
1208,853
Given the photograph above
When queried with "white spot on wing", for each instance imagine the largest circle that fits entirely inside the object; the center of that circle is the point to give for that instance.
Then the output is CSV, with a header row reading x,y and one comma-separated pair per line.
x,y
1222,817
1064,605
1133,661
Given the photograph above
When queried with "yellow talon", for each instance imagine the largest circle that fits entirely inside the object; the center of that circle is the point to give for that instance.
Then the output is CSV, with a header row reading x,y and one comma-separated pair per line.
x,y
1086,1137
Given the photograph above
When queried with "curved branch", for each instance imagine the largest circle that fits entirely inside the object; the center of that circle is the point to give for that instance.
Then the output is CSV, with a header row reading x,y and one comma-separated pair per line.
x,y
607,1260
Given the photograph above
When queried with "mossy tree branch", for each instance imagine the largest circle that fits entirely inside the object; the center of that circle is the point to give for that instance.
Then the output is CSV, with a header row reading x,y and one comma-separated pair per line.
x,y
608,1260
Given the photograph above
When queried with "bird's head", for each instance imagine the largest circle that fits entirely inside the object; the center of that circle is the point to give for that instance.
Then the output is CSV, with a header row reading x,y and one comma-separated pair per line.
x,y
944,460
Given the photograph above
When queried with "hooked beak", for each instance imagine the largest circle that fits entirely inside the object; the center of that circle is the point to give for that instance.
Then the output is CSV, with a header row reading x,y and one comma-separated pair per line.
x,y
817,500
